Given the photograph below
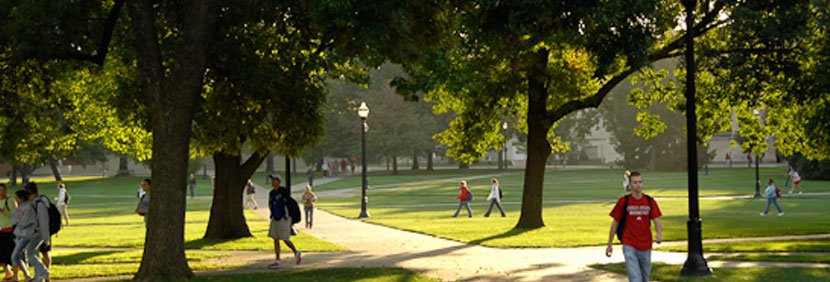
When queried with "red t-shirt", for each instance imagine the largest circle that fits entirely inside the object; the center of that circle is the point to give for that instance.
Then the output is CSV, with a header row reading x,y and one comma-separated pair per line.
x,y
637,231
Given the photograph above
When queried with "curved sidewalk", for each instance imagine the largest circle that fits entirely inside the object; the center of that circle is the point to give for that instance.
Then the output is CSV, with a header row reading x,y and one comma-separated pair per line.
x,y
373,245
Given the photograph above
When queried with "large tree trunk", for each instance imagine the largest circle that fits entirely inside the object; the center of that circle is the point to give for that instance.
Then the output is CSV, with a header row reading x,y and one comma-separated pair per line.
x,y
415,160
123,165
430,167
53,164
227,218
171,90
538,148
394,164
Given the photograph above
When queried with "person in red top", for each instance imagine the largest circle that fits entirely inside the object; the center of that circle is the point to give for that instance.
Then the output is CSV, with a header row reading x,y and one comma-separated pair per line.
x,y
636,236
463,199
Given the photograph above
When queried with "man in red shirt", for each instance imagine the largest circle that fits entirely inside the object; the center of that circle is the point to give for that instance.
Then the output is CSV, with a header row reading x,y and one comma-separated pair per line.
x,y
636,235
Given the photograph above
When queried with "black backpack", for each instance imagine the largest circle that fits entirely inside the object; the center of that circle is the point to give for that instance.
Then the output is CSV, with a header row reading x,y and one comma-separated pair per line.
x,y
621,225
68,198
293,209
54,216
500,194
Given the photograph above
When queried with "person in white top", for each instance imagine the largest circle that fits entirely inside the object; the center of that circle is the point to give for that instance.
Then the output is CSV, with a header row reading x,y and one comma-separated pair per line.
x,y
62,202
494,197
626,180
796,182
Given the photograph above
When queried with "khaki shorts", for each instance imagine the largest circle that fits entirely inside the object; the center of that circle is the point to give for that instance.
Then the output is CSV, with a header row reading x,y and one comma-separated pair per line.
x,y
280,229
62,210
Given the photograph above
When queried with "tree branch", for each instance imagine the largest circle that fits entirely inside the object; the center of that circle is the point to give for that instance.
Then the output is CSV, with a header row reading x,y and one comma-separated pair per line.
x,y
252,163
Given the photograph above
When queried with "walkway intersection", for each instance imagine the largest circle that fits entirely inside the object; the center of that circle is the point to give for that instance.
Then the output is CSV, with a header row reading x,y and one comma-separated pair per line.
x,y
373,245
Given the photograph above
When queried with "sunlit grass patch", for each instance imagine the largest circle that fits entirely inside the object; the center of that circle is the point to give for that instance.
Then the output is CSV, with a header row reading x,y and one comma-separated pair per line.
x,y
665,272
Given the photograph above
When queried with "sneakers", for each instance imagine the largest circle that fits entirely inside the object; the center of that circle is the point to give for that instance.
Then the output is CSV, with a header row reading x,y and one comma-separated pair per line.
x,y
274,265
790,192
763,214
781,214
799,192
298,256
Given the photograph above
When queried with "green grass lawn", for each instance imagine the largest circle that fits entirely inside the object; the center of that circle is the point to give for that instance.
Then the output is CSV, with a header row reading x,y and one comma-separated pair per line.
x,y
108,204
794,246
665,272
798,251
102,218
583,197
767,257
576,206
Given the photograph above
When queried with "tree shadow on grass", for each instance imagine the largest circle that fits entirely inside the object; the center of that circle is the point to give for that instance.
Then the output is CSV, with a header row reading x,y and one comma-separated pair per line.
x,y
510,233
202,243
80,257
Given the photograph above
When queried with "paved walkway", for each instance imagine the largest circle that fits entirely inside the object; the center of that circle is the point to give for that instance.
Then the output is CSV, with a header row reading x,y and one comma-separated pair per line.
x,y
372,245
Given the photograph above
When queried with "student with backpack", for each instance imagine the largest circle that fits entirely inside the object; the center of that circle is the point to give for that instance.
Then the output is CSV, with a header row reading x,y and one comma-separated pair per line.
x,y
494,197
62,202
51,219
284,212
464,197
24,221
44,220
633,215
772,193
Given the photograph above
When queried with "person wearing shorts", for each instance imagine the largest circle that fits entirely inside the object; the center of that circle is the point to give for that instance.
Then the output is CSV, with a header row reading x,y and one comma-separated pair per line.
x,y
280,228
796,183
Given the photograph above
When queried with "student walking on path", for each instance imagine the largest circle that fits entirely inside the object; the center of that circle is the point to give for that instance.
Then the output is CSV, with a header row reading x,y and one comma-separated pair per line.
x,y
310,175
309,198
62,202
144,200
41,202
7,209
494,197
464,197
250,192
280,228
191,182
633,214
31,222
796,182
626,178
772,197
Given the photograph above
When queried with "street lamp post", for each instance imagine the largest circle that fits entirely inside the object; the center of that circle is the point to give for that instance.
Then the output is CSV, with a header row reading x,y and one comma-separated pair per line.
x,y
363,112
695,264
504,149
757,161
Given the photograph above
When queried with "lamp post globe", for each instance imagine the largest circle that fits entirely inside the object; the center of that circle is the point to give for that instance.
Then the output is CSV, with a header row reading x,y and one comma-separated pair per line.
x,y
363,113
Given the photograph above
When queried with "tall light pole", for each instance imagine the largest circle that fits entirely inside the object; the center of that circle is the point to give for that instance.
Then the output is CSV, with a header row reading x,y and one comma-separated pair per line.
x,y
757,161
504,149
363,112
695,264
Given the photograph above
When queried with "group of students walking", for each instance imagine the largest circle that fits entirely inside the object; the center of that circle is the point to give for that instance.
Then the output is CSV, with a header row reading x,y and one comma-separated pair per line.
x,y
465,196
25,231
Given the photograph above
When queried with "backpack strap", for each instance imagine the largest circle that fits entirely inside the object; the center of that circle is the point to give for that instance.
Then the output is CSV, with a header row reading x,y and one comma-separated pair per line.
x,y
625,209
